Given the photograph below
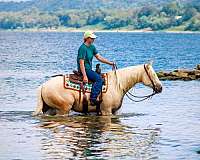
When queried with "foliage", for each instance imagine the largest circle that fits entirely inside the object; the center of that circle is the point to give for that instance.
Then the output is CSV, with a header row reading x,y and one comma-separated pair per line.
x,y
151,17
194,25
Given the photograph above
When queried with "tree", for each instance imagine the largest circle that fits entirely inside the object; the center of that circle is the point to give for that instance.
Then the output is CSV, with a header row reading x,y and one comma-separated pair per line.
x,y
96,17
194,25
189,13
76,21
114,22
9,21
147,11
172,9
143,22
64,19
153,22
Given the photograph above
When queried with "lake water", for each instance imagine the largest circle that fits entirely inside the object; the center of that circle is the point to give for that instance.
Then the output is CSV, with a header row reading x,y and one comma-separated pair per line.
x,y
164,127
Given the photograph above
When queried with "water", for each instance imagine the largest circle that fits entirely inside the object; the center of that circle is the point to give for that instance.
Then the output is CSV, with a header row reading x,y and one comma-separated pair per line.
x,y
164,127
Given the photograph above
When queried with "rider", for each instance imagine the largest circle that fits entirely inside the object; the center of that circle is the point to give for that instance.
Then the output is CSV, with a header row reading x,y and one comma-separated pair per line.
x,y
86,53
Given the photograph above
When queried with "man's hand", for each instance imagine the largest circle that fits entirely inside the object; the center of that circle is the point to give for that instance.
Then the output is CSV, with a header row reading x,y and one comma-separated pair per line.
x,y
112,63
100,58
85,79
114,67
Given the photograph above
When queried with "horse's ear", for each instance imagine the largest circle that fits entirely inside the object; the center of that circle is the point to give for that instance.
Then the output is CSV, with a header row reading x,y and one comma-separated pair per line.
x,y
148,65
151,62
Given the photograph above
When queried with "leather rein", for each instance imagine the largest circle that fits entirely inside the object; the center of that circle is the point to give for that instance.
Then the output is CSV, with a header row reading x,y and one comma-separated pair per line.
x,y
131,96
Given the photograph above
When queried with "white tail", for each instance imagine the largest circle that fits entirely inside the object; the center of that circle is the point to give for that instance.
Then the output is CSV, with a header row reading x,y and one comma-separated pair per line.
x,y
39,102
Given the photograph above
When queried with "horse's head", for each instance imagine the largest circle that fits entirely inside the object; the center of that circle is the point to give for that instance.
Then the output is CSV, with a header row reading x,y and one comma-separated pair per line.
x,y
151,79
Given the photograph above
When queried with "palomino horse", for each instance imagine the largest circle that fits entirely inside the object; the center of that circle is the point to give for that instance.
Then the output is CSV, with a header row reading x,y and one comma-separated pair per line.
x,y
53,94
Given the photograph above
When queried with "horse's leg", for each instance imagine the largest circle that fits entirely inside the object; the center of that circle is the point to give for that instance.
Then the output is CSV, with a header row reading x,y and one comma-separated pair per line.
x,y
105,113
39,103
64,111
106,110
63,105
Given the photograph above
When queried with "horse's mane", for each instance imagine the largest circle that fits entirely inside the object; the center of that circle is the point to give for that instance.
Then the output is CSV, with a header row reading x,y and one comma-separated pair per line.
x,y
125,68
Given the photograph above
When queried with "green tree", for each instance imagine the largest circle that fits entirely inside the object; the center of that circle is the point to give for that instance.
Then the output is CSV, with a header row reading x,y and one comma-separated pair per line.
x,y
64,19
96,17
147,11
194,25
189,13
172,9
10,21
114,22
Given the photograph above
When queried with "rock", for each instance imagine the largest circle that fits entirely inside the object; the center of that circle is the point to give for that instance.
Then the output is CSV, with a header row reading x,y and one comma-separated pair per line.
x,y
198,67
187,79
197,76
196,72
189,72
181,70
167,74
175,78
179,74
174,74
169,78
192,77
160,74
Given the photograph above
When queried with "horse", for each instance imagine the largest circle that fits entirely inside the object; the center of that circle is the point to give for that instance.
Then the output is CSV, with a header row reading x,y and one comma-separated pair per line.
x,y
52,94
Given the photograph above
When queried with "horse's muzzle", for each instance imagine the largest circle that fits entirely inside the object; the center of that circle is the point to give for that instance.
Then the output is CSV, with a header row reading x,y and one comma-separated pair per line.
x,y
158,89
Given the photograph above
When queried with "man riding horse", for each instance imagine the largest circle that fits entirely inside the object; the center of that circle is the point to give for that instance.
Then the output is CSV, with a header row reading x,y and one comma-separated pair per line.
x,y
58,98
86,53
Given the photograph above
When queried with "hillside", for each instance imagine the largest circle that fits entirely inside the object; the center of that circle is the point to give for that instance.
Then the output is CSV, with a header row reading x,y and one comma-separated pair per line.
x,y
180,15
54,5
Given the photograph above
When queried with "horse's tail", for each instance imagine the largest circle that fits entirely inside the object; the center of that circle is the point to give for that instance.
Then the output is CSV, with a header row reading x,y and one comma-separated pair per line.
x,y
39,102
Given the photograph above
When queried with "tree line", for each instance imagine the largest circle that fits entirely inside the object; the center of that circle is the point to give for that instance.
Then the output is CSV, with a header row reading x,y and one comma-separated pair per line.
x,y
172,15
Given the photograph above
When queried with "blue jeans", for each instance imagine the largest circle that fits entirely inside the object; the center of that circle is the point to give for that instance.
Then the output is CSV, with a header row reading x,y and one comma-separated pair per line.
x,y
97,83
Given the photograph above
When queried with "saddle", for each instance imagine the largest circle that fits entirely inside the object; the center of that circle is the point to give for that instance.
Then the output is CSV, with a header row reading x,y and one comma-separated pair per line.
x,y
77,77
74,81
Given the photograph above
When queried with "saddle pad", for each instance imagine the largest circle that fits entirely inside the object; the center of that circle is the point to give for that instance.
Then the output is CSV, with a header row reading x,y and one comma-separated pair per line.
x,y
88,87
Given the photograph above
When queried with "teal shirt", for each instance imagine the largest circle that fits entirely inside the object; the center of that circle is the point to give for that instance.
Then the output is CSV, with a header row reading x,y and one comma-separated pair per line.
x,y
86,53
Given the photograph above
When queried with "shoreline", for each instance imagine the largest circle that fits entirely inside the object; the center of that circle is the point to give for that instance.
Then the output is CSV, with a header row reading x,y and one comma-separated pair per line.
x,y
109,31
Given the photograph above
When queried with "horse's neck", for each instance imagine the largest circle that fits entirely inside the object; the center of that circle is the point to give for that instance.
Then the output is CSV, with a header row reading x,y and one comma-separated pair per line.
x,y
126,78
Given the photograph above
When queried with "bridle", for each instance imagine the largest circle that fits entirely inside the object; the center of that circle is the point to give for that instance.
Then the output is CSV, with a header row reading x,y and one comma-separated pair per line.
x,y
154,87
131,96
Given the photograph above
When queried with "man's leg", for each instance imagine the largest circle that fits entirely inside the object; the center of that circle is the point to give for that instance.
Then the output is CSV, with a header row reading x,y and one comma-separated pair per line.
x,y
97,84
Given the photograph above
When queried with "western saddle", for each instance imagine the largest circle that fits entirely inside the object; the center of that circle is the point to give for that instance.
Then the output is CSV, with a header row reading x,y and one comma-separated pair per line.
x,y
77,78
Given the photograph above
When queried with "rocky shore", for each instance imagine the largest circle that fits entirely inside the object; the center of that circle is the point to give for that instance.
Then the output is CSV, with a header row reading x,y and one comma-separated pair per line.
x,y
181,74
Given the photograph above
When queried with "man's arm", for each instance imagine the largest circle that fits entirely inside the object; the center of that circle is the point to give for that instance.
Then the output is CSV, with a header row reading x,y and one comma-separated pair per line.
x,y
82,67
103,60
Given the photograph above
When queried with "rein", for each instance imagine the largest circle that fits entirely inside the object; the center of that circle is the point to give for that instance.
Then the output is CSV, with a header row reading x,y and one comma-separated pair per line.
x,y
131,96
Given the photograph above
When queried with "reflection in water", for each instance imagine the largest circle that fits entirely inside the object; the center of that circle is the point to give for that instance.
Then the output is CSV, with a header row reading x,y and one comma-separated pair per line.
x,y
90,137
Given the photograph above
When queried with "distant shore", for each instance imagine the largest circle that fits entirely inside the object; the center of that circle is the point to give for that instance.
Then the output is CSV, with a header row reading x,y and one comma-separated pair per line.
x,y
83,30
